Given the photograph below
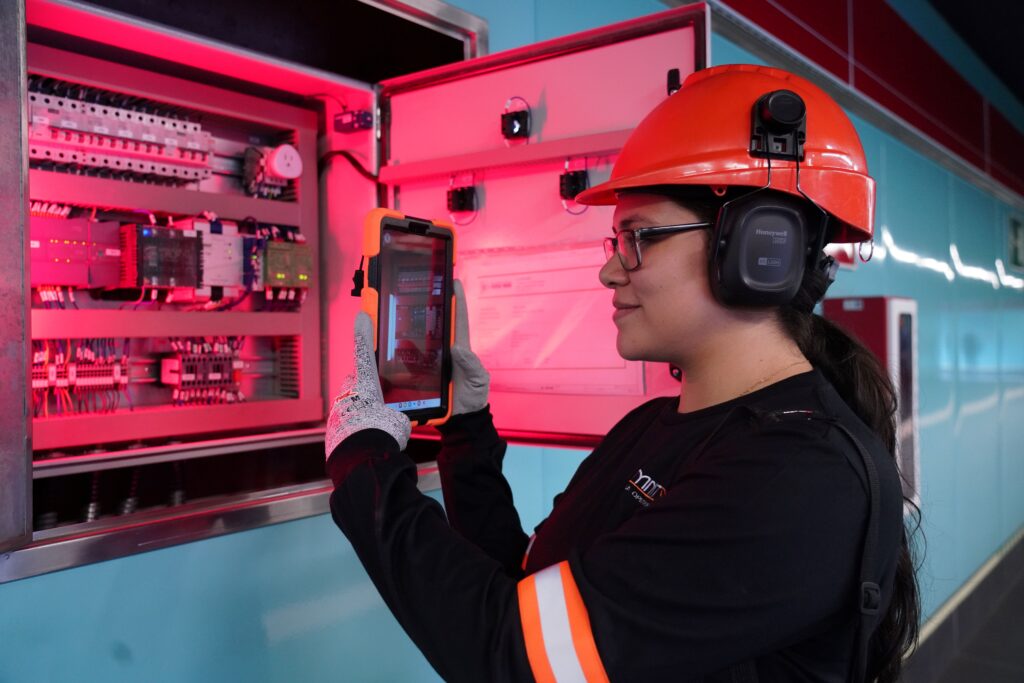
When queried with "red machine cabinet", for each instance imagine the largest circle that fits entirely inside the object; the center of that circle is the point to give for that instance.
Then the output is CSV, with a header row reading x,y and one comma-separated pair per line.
x,y
888,326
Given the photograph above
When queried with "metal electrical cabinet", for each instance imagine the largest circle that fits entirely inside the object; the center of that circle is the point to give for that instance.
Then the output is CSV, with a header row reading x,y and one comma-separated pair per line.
x,y
189,223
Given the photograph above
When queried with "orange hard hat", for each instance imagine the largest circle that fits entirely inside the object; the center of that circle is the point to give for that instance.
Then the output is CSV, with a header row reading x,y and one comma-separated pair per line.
x,y
701,135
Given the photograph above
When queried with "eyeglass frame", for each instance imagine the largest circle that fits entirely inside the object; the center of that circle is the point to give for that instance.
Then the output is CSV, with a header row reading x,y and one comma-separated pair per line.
x,y
611,244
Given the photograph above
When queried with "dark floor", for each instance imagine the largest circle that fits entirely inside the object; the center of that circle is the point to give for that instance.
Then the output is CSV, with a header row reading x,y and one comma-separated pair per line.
x,y
996,653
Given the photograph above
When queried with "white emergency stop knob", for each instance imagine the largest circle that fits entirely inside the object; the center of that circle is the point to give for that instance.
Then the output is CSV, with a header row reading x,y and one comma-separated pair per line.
x,y
284,162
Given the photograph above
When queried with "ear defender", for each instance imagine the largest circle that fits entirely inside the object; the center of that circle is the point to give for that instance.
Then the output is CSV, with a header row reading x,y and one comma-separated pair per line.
x,y
762,240
759,250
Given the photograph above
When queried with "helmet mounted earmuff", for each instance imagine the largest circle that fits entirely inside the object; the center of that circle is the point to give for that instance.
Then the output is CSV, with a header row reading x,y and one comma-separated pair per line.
x,y
762,240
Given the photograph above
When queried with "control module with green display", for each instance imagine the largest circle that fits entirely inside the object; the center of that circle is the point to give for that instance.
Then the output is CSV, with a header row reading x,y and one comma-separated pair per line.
x,y
287,264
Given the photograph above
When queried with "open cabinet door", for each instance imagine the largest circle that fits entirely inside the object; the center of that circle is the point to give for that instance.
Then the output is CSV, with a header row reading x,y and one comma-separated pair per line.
x,y
489,144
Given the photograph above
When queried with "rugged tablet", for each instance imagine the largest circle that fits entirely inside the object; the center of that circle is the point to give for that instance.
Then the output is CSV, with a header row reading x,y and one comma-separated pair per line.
x,y
409,296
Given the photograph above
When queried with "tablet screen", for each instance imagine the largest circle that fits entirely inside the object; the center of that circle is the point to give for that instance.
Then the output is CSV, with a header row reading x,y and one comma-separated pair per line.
x,y
414,302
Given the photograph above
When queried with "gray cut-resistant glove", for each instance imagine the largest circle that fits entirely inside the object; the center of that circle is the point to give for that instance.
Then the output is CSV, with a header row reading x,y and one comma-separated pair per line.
x,y
470,381
360,405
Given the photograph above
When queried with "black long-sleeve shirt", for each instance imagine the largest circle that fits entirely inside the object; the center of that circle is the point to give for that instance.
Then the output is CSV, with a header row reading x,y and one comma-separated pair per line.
x,y
683,545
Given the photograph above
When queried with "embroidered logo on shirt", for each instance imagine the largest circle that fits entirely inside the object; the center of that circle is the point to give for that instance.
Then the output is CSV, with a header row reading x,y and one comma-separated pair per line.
x,y
644,489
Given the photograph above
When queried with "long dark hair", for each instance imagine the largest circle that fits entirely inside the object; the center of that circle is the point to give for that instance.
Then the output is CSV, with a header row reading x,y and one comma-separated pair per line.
x,y
865,386
863,383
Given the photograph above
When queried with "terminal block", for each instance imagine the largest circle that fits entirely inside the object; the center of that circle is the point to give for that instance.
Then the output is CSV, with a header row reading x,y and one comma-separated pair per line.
x,y
204,371
74,376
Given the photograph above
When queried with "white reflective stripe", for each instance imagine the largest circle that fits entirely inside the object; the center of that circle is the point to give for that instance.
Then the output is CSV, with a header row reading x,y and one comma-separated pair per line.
x,y
554,626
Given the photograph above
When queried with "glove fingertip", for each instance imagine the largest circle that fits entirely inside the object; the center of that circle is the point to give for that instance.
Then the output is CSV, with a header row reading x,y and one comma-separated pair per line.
x,y
363,325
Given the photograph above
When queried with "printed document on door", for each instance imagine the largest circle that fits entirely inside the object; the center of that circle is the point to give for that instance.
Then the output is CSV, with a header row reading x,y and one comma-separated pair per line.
x,y
541,321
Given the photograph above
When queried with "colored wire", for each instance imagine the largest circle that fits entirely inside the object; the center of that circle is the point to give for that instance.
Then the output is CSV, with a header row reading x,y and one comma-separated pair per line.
x,y
322,163
341,103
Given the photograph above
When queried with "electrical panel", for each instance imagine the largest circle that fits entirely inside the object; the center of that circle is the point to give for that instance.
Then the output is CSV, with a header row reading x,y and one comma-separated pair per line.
x,y
173,250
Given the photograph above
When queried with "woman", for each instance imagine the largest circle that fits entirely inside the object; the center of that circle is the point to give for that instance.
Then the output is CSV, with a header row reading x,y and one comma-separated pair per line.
x,y
750,529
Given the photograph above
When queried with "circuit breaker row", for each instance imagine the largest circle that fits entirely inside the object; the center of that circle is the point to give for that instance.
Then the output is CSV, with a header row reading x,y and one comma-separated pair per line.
x,y
83,130
83,126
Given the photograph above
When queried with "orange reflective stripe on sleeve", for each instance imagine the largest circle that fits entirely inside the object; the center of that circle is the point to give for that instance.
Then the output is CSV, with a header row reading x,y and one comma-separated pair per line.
x,y
556,628
579,624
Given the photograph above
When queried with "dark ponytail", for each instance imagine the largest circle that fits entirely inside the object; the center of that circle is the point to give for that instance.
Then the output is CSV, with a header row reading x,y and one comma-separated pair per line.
x,y
864,384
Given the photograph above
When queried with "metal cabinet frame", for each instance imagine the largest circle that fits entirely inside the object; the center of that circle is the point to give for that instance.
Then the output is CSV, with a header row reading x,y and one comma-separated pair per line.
x,y
15,420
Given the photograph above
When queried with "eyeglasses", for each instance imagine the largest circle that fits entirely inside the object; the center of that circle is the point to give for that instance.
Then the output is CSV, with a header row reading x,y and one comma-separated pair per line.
x,y
626,243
